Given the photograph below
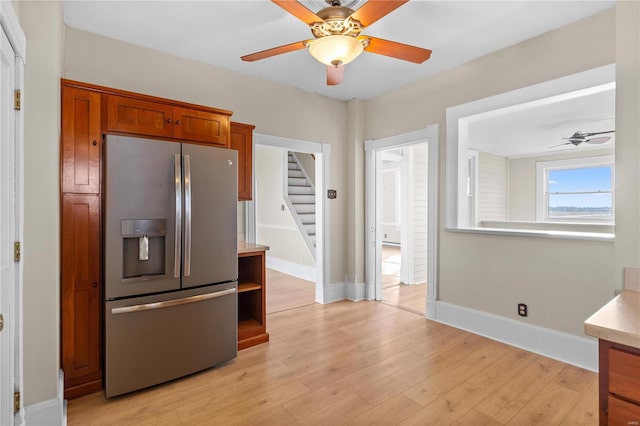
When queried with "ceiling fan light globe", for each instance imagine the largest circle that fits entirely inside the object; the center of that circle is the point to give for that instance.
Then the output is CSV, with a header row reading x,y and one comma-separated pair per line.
x,y
336,49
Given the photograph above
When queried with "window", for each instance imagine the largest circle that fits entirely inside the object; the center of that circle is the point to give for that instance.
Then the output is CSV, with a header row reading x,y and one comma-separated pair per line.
x,y
577,190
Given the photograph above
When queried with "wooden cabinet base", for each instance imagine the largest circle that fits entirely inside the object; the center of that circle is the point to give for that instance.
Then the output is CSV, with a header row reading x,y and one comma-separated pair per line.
x,y
83,389
252,290
252,341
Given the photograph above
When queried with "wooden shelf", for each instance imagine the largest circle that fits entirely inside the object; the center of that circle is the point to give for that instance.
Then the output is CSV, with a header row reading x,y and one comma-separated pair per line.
x,y
242,287
252,320
245,324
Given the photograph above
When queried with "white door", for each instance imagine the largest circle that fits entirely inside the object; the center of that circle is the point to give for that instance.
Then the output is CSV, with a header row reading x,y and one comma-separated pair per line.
x,y
8,227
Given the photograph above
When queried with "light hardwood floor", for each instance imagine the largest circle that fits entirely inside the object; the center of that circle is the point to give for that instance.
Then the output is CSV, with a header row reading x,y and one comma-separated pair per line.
x,y
409,297
287,292
362,363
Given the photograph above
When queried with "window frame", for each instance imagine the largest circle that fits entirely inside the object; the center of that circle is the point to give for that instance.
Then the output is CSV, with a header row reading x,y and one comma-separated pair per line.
x,y
542,184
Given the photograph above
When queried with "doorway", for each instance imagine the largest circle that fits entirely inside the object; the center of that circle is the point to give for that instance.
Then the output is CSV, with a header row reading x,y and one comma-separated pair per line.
x,y
401,220
281,217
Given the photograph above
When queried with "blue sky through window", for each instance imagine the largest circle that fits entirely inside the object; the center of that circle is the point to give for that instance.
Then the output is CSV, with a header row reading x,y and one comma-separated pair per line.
x,y
584,179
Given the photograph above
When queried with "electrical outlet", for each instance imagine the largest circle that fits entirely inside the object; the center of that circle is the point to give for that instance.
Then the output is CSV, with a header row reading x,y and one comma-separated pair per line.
x,y
522,310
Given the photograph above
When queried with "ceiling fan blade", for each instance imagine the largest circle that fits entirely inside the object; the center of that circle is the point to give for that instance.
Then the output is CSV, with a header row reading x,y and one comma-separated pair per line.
x,y
597,133
335,75
397,50
299,11
373,10
562,144
275,51
598,140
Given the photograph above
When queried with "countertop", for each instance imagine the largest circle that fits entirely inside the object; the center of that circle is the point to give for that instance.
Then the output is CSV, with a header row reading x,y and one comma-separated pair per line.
x,y
244,247
618,321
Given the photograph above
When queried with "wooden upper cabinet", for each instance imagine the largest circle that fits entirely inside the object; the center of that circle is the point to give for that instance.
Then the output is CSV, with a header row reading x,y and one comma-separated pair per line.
x,y
144,117
242,141
201,126
81,135
137,116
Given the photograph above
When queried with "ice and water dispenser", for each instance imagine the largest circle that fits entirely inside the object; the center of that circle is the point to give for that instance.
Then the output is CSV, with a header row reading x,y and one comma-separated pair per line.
x,y
143,248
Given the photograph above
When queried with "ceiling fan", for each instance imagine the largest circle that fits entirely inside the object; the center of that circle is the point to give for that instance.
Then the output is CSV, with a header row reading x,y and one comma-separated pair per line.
x,y
578,137
337,36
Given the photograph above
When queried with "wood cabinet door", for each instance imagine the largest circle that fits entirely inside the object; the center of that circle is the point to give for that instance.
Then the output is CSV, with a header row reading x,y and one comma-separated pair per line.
x,y
201,126
81,293
81,133
140,117
242,141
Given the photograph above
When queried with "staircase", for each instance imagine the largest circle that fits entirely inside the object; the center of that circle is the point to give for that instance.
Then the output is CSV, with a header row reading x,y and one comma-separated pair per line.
x,y
301,200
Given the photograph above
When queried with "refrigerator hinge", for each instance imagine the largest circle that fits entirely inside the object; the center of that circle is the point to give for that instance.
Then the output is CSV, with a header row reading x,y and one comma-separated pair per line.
x,y
16,402
17,100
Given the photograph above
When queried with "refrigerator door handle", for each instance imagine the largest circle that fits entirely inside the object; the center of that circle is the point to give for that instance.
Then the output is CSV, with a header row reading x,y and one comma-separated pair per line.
x,y
187,215
169,303
178,225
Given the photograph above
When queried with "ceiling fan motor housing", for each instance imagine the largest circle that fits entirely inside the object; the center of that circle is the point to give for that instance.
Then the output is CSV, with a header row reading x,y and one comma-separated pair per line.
x,y
336,21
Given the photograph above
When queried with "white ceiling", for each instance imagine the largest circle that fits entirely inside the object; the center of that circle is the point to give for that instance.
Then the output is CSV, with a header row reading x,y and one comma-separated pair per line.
x,y
219,32
534,130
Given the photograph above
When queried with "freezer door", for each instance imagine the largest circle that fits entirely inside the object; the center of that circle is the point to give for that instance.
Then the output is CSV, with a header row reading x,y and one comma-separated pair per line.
x,y
141,251
153,339
210,215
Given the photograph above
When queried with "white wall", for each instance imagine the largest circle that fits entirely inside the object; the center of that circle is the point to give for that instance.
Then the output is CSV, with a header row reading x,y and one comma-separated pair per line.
x,y
493,187
41,22
522,181
418,204
494,273
275,226
391,179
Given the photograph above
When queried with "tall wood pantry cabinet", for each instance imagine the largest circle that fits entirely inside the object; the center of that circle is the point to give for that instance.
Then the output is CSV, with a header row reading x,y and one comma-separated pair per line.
x,y
89,112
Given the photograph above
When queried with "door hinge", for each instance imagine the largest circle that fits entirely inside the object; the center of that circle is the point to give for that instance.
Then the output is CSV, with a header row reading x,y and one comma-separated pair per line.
x,y
17,100
16,251
16,402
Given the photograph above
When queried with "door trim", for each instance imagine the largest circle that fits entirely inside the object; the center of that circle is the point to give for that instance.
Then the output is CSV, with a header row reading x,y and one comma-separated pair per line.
x,y
14,352
373,250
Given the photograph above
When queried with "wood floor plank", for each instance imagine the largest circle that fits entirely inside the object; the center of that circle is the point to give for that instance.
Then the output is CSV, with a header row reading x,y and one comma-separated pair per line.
x,y
390,412
444,380
507,401
340,412
585,412
549,407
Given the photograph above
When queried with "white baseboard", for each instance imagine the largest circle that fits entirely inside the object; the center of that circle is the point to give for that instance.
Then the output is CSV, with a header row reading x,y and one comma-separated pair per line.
x,y
334,292
565,347
48,413
432,309
290,268
354,291
371,290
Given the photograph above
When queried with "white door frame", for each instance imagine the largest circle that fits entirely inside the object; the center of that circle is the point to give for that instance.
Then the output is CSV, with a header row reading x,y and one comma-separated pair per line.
x,y
374,233
11,218
322,152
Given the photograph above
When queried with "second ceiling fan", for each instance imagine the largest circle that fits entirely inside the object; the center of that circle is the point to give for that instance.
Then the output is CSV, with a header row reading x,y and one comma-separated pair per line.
x,y
337,36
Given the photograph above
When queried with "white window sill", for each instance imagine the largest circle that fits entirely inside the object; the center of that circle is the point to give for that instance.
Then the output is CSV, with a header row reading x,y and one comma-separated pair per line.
x,y
534,233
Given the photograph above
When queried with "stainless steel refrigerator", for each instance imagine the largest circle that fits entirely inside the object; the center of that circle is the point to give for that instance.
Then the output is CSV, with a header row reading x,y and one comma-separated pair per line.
x,y
170,256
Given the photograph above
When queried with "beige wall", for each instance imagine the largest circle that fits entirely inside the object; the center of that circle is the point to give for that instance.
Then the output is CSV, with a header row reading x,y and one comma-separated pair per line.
x,y
627,244
275,226
494,273
42,24
274,109
522,181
